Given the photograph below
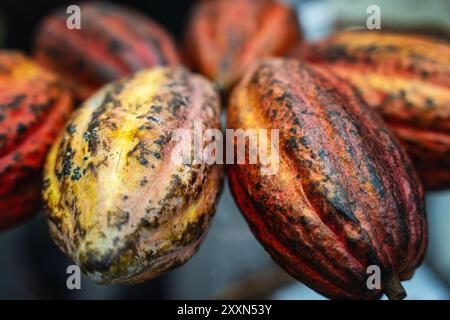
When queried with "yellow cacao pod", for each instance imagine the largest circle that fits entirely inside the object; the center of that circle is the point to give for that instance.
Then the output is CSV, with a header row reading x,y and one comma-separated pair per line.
x,y
117,203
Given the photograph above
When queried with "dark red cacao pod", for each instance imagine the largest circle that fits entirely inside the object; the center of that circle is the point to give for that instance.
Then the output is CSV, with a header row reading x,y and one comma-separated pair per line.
x,y
113,41
346,195
225,36
407,79
33,108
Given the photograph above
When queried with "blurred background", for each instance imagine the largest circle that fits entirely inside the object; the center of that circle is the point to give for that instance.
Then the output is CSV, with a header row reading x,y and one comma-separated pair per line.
x,y
230,263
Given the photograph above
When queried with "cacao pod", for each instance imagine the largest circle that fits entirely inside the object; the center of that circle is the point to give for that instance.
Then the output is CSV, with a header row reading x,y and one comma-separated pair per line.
x,y
113,41
33,108
116,203
407,79
345,197
225,36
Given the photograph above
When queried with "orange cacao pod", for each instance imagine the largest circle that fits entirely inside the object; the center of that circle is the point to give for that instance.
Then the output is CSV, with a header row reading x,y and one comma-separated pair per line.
x,y
407,79
33,108
345,197
225,36
113,41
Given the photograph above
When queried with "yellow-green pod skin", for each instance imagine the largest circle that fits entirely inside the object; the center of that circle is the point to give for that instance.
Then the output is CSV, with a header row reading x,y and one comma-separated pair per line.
x,y
116,202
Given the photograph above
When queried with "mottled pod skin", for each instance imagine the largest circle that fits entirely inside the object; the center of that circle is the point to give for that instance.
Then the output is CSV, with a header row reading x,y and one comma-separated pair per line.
x,y
345,197
113,41
226,36
406,78
33,108
117,204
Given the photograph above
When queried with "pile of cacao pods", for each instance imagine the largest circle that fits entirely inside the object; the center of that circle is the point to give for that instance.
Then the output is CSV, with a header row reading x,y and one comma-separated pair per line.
x,y
351,110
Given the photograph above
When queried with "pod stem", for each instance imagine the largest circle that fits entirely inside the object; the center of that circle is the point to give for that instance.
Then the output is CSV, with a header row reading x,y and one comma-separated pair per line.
x,y
393,289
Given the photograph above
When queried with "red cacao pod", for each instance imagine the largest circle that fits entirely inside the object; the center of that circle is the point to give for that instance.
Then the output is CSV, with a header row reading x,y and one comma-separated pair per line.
x,y
407,79
225,36
113,41
345,197
33,108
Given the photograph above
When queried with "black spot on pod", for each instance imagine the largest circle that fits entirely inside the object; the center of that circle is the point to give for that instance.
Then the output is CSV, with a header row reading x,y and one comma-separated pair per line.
x,y
21,128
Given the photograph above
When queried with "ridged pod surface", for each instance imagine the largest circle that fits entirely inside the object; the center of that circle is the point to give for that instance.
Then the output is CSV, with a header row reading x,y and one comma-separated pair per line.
x,y
345,197
33,108
113,41
226,36
407,79
117,204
